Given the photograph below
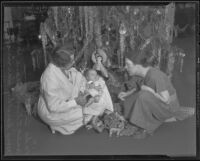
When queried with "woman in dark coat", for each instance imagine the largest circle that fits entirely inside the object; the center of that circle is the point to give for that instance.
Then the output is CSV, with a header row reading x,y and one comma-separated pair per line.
x,y
156,101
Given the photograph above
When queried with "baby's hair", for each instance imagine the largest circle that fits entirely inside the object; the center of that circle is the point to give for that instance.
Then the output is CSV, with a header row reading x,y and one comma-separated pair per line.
x,y
87,71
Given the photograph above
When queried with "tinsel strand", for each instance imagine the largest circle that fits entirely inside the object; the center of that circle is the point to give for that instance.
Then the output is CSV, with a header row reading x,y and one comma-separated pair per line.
x,y
97,29
81,20
91,21
44,41
86,21
55,11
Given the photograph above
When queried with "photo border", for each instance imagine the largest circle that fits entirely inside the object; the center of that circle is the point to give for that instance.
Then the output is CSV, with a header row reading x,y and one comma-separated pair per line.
x,y
109,157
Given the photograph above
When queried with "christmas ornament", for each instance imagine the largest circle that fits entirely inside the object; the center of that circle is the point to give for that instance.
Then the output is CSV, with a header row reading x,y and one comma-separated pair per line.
x,y
158,12
127,9
182,55
136,11
122,32
122,29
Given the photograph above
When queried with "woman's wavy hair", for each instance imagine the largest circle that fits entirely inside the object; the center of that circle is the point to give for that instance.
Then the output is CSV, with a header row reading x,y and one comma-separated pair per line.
x,y
60,56
145,57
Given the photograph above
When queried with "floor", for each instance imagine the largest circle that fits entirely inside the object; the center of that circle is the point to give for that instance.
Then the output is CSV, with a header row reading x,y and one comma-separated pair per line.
x,y
27,136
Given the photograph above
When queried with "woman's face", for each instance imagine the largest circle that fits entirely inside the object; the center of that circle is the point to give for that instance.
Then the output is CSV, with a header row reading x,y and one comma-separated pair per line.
x,y
131,68
69,65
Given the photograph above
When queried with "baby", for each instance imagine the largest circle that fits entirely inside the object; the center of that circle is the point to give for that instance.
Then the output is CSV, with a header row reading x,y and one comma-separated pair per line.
x,y
99,98
94,86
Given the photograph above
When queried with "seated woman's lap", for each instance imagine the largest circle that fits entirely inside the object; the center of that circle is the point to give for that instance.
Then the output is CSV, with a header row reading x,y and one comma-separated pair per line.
x,y
63,118
148,102
128,104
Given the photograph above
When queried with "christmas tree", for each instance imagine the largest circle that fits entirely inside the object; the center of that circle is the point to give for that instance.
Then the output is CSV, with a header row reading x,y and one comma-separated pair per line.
x,y
115,29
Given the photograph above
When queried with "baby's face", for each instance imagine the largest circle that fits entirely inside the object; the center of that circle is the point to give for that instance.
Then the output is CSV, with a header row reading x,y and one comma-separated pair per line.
x,y
92,75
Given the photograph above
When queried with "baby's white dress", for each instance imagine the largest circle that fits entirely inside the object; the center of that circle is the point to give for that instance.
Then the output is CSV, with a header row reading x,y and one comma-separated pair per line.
x,y
105,101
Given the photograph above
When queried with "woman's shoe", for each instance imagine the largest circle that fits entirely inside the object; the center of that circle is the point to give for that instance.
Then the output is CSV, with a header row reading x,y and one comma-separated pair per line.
x,y
173,119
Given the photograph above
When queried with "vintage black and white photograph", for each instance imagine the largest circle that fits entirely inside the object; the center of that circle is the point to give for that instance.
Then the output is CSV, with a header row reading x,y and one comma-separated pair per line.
x,y
110,79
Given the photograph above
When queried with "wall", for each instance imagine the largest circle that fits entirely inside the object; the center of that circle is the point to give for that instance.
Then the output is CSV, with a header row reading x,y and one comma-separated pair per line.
x,y
8,22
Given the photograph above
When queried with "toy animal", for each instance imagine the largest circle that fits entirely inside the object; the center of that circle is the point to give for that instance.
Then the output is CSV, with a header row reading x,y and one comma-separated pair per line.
x,y
27,94
114,123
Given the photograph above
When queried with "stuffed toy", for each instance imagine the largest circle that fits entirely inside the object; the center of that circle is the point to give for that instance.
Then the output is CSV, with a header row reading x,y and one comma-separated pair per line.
x,y
27,94
114,122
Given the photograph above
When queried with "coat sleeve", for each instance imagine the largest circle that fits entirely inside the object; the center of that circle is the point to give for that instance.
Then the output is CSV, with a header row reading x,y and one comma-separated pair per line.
x,y
160,82
83,84
51,90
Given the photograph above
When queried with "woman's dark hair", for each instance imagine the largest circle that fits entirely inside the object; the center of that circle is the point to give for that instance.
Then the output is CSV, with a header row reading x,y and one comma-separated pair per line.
x,y
86,72
61,55
145,58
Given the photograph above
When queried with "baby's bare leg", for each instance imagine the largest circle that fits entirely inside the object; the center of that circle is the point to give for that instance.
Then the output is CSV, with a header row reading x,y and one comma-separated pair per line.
x,y
90,125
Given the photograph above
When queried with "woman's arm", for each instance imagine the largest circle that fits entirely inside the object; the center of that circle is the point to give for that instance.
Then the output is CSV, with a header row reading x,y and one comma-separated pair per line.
x,y
56,104
83,84
122,95
50,89
163,96
104,70
100,66
131,91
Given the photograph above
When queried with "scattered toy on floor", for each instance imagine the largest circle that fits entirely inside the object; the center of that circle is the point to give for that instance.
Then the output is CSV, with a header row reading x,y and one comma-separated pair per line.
x,y
27,94
114,123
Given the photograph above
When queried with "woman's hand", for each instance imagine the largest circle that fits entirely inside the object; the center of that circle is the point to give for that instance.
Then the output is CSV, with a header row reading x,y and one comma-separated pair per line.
x,y
146,88
81,100
164,96
122,95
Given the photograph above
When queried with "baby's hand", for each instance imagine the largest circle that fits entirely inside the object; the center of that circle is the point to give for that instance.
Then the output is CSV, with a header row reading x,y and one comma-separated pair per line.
x,y
96,99
98,87
91,85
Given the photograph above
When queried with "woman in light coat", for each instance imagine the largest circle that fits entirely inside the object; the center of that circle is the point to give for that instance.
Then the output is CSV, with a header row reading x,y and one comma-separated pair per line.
x,y
60,105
